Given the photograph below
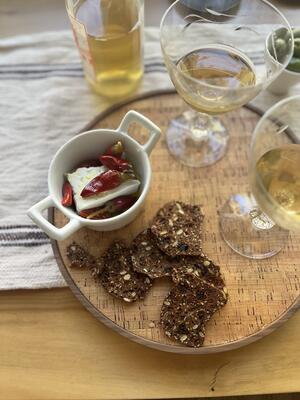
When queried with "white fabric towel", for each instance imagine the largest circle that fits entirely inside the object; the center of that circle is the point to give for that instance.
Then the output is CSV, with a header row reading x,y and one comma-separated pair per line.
x,y
44,101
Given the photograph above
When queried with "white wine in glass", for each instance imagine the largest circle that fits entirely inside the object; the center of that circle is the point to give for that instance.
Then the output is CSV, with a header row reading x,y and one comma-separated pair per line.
x,y
217,62
257,225
276,185
218,66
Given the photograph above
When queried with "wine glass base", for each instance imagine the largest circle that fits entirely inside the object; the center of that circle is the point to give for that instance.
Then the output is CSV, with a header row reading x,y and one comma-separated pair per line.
x,y
197,140
251,237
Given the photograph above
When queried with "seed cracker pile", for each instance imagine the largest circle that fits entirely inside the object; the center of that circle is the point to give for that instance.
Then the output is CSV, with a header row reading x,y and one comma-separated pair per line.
x,y
171,247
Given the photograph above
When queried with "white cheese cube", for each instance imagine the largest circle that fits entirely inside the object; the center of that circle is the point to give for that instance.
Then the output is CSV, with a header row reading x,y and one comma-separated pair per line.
x,y
82,176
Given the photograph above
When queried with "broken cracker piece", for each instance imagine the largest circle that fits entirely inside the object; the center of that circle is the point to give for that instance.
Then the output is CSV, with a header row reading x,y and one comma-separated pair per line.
x,y
147,258
118,276
176,229
80,258
185,311
189,269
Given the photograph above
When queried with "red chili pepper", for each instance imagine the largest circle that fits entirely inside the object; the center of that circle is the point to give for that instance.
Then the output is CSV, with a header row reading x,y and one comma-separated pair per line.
x,y
115,150
87,213
114,163
111,208
105,181
89,163
122,203
67,199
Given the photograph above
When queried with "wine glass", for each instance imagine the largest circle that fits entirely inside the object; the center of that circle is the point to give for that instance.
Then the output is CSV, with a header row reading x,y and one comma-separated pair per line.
x,y
257,226
218,61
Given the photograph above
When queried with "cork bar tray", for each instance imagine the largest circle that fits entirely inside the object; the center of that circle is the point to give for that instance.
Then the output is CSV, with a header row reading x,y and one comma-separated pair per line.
x,y
262,294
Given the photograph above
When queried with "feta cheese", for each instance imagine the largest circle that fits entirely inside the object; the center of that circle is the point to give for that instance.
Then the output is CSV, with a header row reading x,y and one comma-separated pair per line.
x,y
82,176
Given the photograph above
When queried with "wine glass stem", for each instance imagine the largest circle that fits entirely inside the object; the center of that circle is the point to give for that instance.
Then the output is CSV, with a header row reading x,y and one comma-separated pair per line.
x,y
200,128
260,220
197,139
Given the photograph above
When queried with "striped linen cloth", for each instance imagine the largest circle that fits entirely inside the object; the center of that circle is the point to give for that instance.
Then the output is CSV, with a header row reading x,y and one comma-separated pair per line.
x,y
44,101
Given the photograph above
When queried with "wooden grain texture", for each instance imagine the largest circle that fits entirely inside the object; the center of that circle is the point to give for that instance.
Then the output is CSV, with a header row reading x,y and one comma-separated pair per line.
x,y
262,294
51,348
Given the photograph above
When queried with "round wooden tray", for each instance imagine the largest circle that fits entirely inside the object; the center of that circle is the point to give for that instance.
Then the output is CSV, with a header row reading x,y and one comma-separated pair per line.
x,y
262,294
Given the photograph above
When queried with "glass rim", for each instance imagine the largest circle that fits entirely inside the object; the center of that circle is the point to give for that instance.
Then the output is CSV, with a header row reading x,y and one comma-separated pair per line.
x,y
223,88
269,112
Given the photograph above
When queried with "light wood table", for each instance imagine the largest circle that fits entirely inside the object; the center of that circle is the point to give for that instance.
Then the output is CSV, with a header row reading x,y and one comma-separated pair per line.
x,y
52,348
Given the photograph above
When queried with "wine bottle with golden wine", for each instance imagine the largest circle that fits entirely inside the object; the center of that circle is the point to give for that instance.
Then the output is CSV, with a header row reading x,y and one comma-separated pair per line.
x,y
108,34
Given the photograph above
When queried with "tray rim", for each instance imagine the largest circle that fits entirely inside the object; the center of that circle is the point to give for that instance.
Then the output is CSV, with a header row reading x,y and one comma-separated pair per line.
x,y
282,318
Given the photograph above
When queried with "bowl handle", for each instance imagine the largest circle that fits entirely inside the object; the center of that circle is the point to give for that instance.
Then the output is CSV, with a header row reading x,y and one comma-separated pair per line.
x,y
35,213
133,116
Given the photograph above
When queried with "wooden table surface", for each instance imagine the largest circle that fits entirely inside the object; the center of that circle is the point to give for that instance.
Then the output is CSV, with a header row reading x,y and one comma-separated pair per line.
x,y
52,348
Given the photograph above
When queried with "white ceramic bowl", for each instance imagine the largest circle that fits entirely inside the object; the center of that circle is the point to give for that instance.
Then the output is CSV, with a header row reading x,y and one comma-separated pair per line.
x,y
89,145
286,79
284,82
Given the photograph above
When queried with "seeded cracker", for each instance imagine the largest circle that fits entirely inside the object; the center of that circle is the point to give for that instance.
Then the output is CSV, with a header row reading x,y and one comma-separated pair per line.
x,y
80,258
176,229
189,269
186,310
147,258
118,276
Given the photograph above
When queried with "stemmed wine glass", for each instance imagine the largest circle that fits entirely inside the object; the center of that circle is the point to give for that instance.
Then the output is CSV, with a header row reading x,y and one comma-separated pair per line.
x,y
257,225
218,61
